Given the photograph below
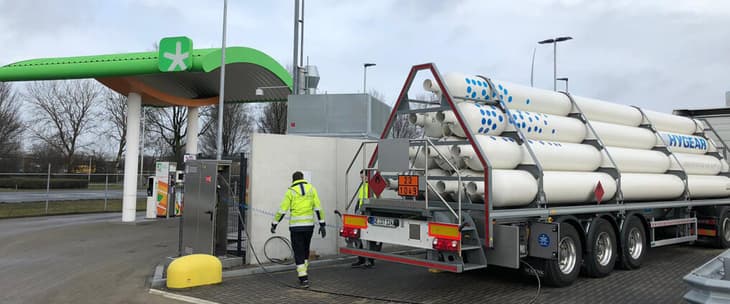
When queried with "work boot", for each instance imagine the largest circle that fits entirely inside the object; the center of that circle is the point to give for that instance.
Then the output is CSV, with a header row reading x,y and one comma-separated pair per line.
x,y
304,283
359,263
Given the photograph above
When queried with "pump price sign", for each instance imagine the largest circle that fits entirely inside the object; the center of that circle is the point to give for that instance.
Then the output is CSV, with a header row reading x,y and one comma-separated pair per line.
x,y
408,185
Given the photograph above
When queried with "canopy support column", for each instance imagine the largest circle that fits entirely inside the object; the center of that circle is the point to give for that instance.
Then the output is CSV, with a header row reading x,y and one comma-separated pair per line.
x,y
129,198
191,145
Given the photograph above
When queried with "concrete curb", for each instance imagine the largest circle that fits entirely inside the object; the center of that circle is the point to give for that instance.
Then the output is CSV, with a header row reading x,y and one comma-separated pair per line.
x,y
157,280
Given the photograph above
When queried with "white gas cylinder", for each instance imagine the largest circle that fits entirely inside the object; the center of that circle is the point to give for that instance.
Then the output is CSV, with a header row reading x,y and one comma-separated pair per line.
x,y
647,187
706,186
622,136
636,161
697,164
501,152
556,156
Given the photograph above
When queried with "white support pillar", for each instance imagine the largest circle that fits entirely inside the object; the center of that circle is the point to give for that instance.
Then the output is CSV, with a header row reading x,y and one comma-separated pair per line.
x,y
129,198
191,145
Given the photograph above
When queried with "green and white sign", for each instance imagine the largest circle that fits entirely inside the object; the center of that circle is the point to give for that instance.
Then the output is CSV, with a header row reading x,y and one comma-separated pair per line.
x,y
176,54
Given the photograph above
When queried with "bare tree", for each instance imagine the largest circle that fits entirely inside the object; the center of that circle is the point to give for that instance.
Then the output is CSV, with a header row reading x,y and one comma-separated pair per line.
x,y
11,126
169,125
273,118
64,113
237,127
41,154
115,114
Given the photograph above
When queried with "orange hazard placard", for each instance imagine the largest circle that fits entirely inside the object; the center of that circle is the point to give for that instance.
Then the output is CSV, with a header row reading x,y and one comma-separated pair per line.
x,y
408,185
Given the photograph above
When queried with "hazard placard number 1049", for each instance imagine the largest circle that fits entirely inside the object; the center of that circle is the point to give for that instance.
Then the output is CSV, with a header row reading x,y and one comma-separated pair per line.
x,y
408,185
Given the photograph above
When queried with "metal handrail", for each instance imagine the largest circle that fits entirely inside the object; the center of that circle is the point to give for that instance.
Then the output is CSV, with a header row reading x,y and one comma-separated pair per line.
x,y
712,129
458,176
656,134
427,143
352,162
619,192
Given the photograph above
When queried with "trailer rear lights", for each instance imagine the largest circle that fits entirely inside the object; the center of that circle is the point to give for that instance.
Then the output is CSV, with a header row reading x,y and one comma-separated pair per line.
x,y
445,245
349,232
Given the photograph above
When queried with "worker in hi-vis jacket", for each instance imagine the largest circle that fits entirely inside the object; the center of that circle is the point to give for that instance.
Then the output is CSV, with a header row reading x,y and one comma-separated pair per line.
x,y
363,193
302,202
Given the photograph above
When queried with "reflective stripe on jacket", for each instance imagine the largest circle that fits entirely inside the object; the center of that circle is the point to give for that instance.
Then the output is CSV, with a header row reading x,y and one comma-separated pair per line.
x,y
302,201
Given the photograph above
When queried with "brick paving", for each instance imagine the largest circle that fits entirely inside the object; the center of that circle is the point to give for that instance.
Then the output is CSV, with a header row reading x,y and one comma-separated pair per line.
x,y
658,281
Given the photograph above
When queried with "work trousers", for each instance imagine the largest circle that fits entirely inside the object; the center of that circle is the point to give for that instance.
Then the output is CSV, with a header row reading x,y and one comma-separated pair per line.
x,y
301,238
371,246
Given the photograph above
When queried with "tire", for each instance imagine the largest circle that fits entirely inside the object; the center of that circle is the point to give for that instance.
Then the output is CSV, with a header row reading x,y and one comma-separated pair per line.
x,y
722,240
564,270
600,254
633,244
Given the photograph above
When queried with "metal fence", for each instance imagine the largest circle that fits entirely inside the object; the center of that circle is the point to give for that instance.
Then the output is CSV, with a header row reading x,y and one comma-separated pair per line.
x,y
17,188
50,189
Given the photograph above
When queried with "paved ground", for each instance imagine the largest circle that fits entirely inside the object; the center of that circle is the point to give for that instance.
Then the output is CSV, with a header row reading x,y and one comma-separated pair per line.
x,y
658,281
62,195
82,258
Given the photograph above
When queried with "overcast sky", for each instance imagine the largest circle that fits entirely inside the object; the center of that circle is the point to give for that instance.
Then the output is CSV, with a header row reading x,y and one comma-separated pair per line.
x,y
658,54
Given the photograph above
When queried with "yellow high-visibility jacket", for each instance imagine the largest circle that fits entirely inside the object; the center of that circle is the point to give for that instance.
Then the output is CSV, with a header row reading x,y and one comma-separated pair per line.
x,y
363,193
302,202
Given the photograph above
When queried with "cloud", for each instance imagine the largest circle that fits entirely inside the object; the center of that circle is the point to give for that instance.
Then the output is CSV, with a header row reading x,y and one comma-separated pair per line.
x,y
658,54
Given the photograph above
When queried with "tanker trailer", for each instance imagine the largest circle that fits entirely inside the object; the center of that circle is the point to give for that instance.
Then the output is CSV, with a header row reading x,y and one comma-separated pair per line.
x,y
506,174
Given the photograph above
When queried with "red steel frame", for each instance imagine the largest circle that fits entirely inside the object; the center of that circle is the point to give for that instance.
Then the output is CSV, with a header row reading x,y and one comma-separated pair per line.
x,y
403,96
397,259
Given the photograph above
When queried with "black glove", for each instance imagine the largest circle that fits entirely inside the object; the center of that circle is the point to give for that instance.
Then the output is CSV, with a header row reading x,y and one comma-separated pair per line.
x,y
273,228
322,231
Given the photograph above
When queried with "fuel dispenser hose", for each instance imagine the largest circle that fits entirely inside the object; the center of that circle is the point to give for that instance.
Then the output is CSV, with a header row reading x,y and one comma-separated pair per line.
x,y
285,261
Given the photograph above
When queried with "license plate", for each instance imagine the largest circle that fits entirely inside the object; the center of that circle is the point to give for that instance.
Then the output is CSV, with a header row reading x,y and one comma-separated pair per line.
x,y
383,221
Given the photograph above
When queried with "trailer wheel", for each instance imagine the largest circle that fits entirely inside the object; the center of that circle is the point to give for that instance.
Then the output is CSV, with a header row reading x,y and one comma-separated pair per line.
x,y
600,255
723,231
633,244
564,270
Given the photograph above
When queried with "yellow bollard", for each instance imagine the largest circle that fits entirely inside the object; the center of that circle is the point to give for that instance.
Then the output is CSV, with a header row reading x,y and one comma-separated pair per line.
x,y
194,270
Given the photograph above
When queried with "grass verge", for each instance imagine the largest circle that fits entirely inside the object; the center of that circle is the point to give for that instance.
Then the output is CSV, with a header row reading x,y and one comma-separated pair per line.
x,y
10,210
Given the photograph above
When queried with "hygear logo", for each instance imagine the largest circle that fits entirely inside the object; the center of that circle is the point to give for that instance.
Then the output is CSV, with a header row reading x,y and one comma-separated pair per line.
x,y
176,54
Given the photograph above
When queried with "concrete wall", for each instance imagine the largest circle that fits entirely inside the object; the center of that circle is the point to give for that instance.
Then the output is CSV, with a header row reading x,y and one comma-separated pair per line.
x,y
273,160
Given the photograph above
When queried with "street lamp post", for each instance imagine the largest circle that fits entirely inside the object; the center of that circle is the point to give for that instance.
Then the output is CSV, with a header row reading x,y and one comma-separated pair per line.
x,y
532,68
365,67
566,82
555,41
221,93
